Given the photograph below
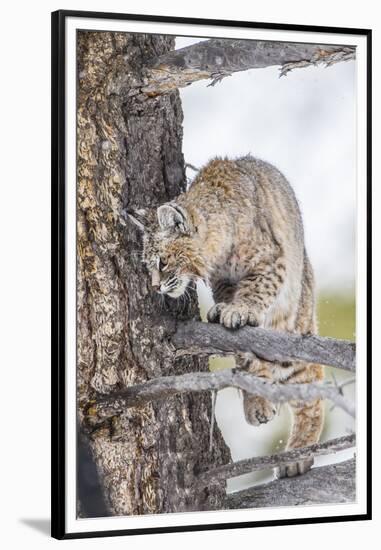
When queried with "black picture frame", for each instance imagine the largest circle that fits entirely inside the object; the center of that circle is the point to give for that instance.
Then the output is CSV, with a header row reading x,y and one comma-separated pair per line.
x,y
58,526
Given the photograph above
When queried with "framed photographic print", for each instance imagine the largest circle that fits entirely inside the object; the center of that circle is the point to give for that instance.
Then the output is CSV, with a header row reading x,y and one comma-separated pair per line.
x,y
211,274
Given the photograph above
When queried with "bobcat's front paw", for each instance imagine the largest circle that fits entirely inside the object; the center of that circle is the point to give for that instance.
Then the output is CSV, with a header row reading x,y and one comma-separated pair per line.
x,y
214,313
294,469
233,315
229,315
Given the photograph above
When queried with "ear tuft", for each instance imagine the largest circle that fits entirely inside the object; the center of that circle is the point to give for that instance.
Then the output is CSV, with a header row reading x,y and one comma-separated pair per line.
x,y
173,216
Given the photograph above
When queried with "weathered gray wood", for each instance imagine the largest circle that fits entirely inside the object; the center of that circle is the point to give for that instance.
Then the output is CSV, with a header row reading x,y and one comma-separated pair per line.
x,y
196,337
332,484
161,388
217,58
271,461
129,155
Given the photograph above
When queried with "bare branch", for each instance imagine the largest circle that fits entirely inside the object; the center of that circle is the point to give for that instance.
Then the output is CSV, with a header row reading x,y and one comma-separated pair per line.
x,y
217,58
213,339
216,475
331,484
109,405
192,167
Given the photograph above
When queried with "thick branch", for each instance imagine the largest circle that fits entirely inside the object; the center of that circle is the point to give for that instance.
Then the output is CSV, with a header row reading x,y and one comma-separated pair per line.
x,y
213,339
330,484
218,58
271,461
159,388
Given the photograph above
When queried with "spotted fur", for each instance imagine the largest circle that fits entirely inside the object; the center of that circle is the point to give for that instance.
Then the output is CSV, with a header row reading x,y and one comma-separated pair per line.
x,y
239,229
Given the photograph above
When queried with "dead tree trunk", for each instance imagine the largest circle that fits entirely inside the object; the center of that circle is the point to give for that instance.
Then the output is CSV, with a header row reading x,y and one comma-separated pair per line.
x,y
129,155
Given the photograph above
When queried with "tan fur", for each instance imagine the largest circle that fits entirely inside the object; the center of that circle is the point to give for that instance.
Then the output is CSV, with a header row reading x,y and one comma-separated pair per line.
x,y
239,228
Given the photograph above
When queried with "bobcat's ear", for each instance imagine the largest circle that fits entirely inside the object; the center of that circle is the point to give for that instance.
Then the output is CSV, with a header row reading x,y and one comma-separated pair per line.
x,y
173,216
140,218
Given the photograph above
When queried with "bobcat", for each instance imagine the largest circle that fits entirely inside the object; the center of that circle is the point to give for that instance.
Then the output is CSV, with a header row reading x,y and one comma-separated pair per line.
x,y
239,229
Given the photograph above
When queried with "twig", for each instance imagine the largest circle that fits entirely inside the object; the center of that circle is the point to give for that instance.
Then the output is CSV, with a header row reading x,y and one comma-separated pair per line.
x,y
213,413
188,165
347,383
333,406
320,57
217,78
340,387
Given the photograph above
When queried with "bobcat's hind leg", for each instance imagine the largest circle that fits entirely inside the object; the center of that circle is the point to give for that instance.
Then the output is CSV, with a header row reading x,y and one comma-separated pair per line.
x,y
308,420
258,410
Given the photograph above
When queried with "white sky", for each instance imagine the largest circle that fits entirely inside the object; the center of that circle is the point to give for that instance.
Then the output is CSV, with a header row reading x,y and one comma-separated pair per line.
x,y
304,124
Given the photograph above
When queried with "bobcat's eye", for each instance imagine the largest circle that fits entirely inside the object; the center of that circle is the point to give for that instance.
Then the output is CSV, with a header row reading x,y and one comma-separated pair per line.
x,y
161,264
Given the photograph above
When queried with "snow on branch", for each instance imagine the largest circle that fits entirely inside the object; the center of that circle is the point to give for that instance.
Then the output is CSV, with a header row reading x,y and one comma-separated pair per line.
x,y
217,58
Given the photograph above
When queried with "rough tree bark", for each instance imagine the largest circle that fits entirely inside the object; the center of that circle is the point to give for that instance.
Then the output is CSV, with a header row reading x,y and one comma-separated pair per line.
x,y
129,155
